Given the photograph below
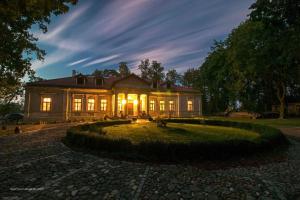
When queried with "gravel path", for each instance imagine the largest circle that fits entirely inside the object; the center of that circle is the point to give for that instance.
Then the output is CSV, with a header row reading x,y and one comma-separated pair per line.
x,y
37,165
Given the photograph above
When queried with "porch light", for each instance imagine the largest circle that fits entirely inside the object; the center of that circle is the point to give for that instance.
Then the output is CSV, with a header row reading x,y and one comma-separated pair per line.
x,y
135,102
124,101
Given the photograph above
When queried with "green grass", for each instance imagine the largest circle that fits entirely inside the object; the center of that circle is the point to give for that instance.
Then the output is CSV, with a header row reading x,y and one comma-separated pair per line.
x,y
277,123
175,132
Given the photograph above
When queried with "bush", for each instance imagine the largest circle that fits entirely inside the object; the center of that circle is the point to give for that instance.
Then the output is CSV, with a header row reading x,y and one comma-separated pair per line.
x,y
86,136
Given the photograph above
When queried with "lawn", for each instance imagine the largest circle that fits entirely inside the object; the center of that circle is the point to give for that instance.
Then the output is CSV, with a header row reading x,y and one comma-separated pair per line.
x,y
175,132
277,123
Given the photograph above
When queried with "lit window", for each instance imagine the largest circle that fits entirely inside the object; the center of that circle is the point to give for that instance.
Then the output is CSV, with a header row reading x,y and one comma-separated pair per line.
x,y
46,104
171,106
103,104
161,105
77,104
152,105
91,104
190,105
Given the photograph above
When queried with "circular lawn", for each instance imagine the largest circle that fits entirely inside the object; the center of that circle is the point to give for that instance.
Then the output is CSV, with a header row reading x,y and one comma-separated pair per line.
x,y
181,139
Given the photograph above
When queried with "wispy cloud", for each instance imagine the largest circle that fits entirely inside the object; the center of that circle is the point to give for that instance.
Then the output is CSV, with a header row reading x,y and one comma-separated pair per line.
x,y
177,34
101,60
78,61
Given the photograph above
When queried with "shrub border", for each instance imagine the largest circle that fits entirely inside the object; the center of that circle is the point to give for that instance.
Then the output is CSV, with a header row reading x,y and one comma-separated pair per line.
x,y
79,136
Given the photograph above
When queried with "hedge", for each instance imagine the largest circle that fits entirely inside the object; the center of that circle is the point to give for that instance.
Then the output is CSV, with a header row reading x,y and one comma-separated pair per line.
x,y
80,136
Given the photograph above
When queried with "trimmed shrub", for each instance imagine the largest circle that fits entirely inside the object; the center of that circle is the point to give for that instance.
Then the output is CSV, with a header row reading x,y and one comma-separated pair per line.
x,y
87,136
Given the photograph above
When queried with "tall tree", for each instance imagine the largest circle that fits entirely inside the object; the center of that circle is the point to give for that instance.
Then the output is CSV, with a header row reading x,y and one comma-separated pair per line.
x,y
173,76
144,68
281,38
156,71
190,78
123,69
17,45
106,73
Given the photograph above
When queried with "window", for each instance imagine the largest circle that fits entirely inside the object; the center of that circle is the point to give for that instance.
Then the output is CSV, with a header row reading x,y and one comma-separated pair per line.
x,y
46,104
91,104
77,104
80,80
99,81
152,105
161,105
103,104
171,106
190,105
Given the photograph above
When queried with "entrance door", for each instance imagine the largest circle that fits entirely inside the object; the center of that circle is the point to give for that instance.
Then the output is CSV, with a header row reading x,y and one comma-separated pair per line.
x,y
130,108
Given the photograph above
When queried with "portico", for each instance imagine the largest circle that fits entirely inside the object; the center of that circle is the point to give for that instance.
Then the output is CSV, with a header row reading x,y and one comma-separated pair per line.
x,y
130,103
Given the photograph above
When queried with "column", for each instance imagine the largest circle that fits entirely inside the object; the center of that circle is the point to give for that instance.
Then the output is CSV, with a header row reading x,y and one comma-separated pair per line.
x,y
116,104
147,104
139,104
126,98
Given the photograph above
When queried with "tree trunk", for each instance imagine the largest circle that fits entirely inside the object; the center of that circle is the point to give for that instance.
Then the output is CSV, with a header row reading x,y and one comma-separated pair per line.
x,y
281,91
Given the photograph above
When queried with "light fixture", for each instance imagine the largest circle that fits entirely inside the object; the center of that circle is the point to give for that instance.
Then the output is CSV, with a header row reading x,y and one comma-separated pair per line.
x,y
135,102
124,101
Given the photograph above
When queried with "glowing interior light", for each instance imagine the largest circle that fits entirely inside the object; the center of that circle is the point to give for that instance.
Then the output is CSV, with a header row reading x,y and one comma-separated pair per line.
x,y
124,101
135,102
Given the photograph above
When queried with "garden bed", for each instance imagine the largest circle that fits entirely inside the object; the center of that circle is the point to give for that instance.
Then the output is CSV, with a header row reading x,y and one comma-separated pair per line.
x,y
182,139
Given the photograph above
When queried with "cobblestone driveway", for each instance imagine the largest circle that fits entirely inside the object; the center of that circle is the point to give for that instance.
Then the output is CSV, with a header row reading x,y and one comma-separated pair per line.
x,y
37,165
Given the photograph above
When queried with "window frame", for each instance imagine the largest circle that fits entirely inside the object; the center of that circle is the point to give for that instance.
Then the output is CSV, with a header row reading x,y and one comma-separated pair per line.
x,y
162,105
91,104
171,106
101,105
48,104
152,105
75,105
190,106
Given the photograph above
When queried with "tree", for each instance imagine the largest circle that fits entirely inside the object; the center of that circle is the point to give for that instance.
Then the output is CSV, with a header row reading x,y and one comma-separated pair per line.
x,y
106,73
144,68
17,45
123,69
190,78
281,43
156,71
173,76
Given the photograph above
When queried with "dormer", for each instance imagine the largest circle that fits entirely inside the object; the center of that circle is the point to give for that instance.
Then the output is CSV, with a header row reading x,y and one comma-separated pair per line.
x,y
99,81
155,84
80,79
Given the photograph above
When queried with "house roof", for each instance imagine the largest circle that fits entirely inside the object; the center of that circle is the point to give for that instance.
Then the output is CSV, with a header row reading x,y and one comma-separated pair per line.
x,y
108,83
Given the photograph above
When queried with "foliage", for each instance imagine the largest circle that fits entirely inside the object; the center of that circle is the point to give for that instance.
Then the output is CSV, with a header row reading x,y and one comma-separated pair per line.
x,y
190,78
173,76
153,71
144,68
106,73
158,148
123,69
258,64
10,108
17,45
156,71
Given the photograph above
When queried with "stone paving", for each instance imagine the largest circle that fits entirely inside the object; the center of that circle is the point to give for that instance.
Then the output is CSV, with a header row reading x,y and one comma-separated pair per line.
x,y
37,165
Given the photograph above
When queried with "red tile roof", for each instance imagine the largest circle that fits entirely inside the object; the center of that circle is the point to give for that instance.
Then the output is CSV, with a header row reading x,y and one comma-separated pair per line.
x,y
90,83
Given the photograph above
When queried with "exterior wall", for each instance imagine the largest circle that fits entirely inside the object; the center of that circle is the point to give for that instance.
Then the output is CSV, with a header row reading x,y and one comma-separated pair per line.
x,y
180,102
33,104
62,105
197,107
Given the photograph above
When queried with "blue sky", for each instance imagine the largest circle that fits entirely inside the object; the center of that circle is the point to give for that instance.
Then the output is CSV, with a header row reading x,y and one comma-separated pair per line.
x,y
98,34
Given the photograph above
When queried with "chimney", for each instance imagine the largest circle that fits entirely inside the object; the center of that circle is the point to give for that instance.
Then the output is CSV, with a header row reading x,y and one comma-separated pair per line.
x,y
74,73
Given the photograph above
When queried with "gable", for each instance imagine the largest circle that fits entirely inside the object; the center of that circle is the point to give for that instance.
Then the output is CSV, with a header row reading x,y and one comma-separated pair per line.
x,y
131,82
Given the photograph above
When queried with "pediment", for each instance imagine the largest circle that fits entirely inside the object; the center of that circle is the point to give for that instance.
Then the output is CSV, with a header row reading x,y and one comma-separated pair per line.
x,y
131,81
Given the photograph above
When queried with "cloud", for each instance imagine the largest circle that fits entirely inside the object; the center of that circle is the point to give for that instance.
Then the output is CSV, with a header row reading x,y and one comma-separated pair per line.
x,y
101,60
177,34
78,61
